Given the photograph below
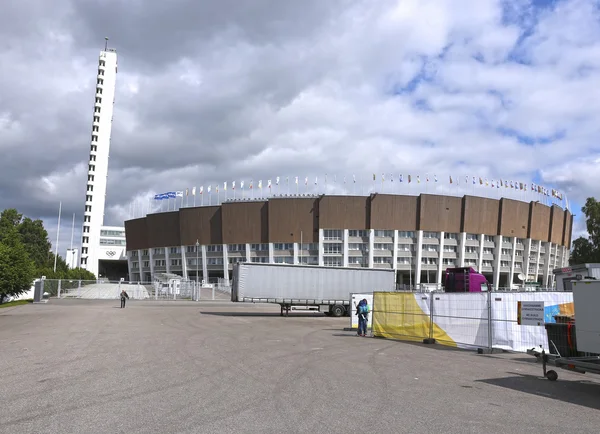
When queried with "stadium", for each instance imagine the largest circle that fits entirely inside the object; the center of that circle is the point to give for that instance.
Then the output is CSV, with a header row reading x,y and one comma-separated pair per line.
x,y
510,241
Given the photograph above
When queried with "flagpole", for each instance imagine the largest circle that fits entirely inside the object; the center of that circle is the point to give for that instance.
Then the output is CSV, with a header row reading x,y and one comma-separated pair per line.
x,y
57,235
72,231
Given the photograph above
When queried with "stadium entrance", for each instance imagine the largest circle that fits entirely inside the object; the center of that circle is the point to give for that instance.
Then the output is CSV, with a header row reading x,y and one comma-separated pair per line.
x,y
113,270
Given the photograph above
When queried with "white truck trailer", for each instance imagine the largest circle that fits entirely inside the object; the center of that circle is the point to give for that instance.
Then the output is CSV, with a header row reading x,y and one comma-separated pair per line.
x,y
327,289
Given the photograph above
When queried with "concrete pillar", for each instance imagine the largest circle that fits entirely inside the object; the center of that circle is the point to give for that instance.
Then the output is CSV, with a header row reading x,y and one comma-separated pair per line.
x,y
419,258
184,265
225,263
537,259
345,249
526,255
461,249
480,259
497,256
440,269
511,274
321,247
395,252
371,246
296,249
167,260
151,256
130,266
546,271
204,263
271,253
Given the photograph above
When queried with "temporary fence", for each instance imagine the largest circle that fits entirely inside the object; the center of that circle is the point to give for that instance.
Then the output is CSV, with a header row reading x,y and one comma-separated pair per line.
x,y
107,290
486,320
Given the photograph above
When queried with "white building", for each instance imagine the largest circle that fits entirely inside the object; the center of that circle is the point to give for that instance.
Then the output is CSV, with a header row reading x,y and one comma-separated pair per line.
x,y
100,243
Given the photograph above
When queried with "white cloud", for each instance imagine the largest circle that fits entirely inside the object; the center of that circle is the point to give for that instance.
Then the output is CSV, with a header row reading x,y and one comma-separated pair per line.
x,y
346,87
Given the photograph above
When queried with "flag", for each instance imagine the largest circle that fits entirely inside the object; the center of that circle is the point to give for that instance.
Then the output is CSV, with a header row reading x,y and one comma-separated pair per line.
x,y
277,181
492,183
260,183
382,177
180,194
401,180
187,191
201,189
391,178
374,177
450,179
296,180
418,179
505,184
316,180
409,179
344,179
474,181
480,181
269,184
486,182
242,185
251,184
353,179
306,180
426,177
217,187
193,191
208,189
225,186
467,179
435,178
233,185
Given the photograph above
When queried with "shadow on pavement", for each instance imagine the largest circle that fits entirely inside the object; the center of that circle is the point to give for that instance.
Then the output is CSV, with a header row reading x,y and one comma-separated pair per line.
x,y
582,392
268,314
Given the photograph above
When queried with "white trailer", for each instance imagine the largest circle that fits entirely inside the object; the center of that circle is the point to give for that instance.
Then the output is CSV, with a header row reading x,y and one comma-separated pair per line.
x,y
565,277
586,298
327,289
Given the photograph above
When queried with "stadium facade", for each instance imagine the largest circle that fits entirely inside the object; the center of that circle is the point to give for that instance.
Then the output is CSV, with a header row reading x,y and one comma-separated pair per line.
x,y
102,247
418,236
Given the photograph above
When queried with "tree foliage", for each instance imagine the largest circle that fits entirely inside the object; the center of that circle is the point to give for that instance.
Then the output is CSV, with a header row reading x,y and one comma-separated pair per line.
x,y
587,250
31,236
17,270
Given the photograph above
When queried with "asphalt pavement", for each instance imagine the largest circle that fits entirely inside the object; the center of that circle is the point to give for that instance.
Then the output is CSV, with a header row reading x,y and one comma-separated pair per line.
x,y
87,366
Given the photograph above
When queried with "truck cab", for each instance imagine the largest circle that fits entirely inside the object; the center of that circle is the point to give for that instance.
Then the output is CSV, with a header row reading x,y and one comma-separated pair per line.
x,y
465,279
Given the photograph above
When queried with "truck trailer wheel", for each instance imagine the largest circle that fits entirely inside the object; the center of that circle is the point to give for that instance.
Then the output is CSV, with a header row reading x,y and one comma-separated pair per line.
x,y
338,310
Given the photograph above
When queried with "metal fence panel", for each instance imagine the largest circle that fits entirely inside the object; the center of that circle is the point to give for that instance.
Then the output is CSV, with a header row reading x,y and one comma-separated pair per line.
x,y
461,319
108,290
402,315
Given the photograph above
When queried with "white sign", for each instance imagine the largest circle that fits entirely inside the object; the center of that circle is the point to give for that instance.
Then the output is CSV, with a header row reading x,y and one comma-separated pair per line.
x,y
530,313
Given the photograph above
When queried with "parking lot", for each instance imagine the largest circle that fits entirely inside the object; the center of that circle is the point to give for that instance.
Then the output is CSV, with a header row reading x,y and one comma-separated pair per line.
x,y
86,366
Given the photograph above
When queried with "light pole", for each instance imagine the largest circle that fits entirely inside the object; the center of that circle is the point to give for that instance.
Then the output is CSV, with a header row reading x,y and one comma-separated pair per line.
x,y
197,270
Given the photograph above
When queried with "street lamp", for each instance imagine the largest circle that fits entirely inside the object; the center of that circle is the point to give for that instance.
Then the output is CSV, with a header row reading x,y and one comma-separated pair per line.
x,y
197,270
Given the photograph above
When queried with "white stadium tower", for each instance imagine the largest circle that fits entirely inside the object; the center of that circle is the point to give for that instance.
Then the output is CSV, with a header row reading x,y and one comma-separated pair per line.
x,y
102,247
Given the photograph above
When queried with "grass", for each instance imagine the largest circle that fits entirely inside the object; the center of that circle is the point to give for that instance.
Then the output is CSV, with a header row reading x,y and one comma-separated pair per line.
x,y
15,303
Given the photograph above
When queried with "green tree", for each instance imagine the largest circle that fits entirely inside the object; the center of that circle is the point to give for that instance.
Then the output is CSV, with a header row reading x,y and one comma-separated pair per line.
x,y
9,219
587,250
17,271
34,238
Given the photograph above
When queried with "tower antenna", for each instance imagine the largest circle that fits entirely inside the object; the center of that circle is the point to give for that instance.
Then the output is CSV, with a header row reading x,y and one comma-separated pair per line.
x,y
105,44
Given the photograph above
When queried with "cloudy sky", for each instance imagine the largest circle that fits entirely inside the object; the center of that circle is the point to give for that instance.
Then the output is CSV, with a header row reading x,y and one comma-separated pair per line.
x,y
213,91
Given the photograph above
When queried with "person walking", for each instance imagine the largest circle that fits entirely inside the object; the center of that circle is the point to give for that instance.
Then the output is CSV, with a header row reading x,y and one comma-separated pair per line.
x,y
124,297
362,311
